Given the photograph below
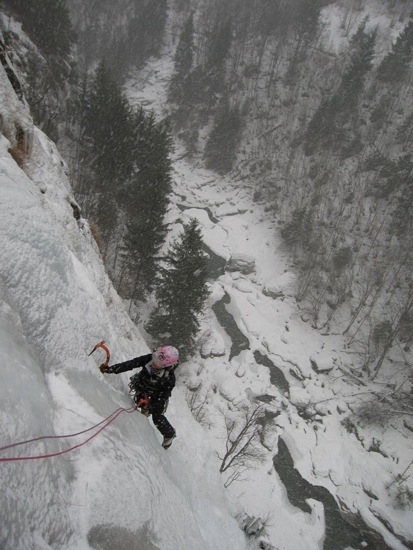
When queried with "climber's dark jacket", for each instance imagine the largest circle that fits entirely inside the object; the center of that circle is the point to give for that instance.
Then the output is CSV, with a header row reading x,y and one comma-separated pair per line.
x,y
157,384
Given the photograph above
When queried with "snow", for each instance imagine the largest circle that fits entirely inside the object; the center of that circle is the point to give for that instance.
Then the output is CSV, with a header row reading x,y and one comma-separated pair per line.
x,y
342,19
330,456
57,303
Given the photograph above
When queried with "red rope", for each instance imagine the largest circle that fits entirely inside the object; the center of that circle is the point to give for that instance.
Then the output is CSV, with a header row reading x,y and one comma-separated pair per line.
x,y
58,436
108,420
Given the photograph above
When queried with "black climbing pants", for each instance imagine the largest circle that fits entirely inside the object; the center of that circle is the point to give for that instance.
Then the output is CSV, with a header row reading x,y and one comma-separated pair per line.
x,y
157,407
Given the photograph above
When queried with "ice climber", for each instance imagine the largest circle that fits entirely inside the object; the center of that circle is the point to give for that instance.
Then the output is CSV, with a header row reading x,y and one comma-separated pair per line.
x,y
152,386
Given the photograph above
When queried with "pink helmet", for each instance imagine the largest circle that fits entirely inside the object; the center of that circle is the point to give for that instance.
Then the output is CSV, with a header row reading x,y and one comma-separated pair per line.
x,y
165,356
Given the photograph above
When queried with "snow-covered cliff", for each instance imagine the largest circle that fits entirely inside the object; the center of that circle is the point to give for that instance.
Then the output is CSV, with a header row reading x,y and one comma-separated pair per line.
x,y
121,489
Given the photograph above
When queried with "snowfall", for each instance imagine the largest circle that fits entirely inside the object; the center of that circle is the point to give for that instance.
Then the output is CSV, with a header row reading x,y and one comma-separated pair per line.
x,y
121,489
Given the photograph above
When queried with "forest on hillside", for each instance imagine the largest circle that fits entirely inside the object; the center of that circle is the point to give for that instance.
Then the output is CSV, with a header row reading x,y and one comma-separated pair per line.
x,y
309,102
323,128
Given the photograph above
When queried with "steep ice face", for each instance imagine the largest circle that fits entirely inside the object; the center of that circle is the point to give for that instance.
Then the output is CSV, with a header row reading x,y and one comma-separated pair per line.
x,y
121,489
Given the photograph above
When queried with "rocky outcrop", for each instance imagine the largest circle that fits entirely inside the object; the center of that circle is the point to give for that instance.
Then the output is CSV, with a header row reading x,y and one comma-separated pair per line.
x,y
241,262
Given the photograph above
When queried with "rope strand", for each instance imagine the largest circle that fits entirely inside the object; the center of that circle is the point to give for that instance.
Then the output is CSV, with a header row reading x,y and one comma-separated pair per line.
x,y
57,436
104,424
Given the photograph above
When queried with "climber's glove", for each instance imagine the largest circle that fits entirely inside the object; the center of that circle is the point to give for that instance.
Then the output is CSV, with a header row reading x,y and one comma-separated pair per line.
x,y
105,369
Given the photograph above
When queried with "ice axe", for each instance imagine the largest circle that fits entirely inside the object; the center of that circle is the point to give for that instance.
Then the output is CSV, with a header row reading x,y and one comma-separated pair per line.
x,y
105,349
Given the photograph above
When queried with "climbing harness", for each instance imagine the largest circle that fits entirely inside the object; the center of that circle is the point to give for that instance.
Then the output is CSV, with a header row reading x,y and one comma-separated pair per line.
x,y
142,402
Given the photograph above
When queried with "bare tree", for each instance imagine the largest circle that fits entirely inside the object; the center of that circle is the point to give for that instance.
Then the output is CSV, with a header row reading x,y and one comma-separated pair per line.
x,y
402,312
351,15
197,401
243,446
384,407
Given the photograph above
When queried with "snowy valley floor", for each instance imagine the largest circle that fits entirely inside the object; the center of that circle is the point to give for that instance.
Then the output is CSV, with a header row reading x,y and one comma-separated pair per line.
x,y
123,490
358,468
324,452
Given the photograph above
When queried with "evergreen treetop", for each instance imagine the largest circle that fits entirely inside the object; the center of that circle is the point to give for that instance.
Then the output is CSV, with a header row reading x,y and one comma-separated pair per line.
x,y
180,86
181,291
48,24
107,129
394,66
145,200
223,141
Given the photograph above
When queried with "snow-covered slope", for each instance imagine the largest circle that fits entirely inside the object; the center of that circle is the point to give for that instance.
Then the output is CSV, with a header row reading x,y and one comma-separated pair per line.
x,y
363,466
121,490
311,414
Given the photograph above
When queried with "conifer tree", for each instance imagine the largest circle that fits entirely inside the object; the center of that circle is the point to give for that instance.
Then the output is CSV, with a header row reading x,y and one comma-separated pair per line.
x,y
107,146
394,66
224,138
48,24
212,82
218,46
180,85
124,33
145,32
304,16
326,129
107,129
361,62
181,291
145,201
401,180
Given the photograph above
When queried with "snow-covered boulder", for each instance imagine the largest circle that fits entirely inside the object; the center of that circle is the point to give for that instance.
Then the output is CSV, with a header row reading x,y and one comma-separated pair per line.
x,y
322,409
281,287
244,285
342,407
297,372
322,364
241,262
230,393
213,344
299,396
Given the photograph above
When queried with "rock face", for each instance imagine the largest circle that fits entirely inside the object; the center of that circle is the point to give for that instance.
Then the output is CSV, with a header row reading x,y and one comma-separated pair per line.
x,y
241,262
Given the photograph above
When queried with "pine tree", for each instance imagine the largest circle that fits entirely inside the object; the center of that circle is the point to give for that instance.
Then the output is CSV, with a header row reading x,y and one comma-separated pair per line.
x,y
361,62
322,126
212,82
224,138
330,125
108,147
145,32
48,24
394,66
401,181
180,85
305,17
145,201
181,291
107,129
